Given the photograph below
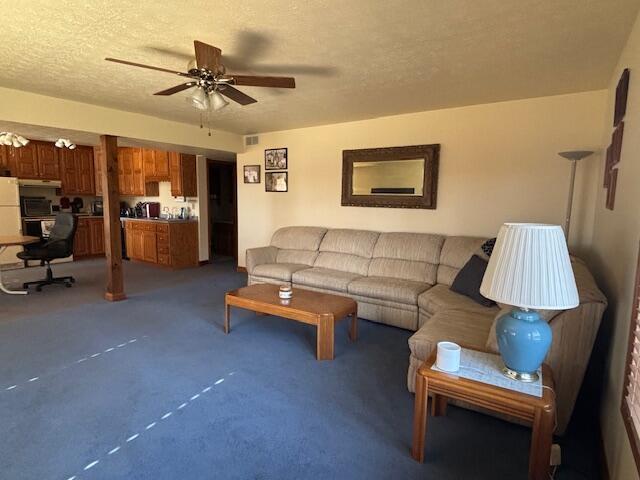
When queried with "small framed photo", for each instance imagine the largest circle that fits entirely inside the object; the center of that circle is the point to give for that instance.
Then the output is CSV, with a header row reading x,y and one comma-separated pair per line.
x,y
276,181
252,174
275,159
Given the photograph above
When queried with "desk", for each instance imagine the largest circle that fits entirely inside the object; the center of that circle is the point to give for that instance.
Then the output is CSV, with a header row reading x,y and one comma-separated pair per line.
x,y
13,241
538,412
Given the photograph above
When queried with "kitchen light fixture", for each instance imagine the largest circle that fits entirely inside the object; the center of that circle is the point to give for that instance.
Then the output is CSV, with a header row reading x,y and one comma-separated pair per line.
x,y
11,139
65,143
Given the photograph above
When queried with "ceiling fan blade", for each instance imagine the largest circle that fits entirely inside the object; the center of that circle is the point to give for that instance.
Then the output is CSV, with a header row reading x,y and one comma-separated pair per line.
x,y
125,62
236,95
176,89
207,56
255,81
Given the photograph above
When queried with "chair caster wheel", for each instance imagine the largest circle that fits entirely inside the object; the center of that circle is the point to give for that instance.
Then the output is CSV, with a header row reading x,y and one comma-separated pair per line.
x,y
73,280
68,285
38,288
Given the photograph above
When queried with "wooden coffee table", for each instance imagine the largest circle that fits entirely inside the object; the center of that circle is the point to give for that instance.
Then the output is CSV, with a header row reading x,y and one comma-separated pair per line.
x,y
539,412
313,308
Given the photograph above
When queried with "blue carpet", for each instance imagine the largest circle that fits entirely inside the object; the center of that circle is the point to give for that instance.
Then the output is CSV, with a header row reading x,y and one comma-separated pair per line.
x,y
151,388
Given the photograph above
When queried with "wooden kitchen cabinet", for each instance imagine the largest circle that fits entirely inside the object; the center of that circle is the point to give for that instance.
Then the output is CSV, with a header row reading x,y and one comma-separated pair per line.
x,y
48,162
171,244
25,161
4,158
182,170
155,165
131,176
89,238
97,169
77,171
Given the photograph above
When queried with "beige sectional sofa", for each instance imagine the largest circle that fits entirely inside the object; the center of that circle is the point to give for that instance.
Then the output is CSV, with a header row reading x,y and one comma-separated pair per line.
x,y
403,280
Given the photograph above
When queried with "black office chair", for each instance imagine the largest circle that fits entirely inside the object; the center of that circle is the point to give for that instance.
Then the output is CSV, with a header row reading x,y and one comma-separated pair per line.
x,y
58,245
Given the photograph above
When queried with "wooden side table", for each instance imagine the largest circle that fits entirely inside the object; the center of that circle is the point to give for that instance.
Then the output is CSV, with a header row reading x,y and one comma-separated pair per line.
x,y
539,412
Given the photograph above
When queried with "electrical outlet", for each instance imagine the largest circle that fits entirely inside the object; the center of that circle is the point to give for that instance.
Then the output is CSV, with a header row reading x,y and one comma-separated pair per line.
x,y
556,455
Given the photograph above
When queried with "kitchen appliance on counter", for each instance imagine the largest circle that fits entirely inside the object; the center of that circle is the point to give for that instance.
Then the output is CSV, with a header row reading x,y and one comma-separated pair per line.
x,y
97,207
35,206
10,215
151,209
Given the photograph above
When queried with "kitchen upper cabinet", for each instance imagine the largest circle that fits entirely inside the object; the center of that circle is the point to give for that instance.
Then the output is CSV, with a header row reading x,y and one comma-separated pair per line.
x,y
4,158
48,163
97,168
131,174
77,171
155,164
182,169
25,161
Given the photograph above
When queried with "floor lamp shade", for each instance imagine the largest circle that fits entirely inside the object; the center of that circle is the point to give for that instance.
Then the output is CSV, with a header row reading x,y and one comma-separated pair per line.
x,y
529,269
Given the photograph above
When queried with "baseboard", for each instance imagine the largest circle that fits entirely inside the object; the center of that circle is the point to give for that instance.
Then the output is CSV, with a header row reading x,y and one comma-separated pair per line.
x,y
242,269
114,297
602,457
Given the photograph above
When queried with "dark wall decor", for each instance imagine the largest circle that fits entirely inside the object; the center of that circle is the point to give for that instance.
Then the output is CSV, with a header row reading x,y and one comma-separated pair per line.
x,y
614,151
421,194
621,98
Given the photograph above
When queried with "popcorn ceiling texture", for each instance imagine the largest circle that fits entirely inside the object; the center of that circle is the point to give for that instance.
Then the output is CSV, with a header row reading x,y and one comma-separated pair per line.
x,y
352,60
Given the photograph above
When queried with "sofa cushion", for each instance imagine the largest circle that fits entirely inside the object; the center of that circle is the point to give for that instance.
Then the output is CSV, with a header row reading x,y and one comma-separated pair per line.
x,y
409,256
347,250
301,257
298,238
278,271
441,298
456,252
391,289
469,329
326,278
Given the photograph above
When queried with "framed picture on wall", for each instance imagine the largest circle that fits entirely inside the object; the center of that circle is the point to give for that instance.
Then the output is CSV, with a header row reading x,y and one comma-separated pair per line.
x,y
276,181
275,159
252,174
620,108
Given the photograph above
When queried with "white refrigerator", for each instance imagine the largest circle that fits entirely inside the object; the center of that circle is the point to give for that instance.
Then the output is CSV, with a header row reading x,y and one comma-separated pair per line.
x,y
10,221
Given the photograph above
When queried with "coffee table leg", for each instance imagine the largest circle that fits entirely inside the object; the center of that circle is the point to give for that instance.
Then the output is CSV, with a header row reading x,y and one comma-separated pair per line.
x,y
541,440
353,328
324,348
420,418
227,317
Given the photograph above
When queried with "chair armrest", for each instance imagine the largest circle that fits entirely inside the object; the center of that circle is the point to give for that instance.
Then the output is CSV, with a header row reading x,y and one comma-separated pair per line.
x,y
260,256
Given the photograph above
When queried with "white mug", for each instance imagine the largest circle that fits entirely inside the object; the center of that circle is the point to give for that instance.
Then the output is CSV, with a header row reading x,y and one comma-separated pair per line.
x,y
448,357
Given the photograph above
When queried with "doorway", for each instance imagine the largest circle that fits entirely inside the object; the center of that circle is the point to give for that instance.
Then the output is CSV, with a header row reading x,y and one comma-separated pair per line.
x,y
223,212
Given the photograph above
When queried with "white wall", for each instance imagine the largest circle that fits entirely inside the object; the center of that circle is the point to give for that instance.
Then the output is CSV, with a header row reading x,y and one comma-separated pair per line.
x,y
498,163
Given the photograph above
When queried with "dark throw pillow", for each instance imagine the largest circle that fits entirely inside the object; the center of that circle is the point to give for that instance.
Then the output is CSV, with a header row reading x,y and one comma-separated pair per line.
x,y
468,281
487,247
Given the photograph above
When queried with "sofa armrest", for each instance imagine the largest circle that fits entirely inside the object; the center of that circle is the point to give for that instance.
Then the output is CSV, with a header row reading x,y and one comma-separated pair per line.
x,y
260,256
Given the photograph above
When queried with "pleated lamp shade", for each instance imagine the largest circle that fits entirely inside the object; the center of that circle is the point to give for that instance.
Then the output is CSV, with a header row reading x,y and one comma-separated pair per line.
x,y
530,268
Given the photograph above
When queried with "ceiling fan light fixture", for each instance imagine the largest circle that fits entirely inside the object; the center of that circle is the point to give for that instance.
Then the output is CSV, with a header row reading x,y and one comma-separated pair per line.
x,y
23,141
218,102
199,99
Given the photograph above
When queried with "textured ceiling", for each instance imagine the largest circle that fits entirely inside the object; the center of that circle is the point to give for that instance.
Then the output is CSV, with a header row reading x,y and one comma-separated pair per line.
x,y
352,60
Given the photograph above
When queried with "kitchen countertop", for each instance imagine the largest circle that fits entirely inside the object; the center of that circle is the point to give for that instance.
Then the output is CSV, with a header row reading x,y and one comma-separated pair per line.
x,y
161,220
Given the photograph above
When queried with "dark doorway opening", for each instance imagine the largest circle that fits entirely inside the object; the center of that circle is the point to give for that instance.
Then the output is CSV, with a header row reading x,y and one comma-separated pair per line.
x,y
223,211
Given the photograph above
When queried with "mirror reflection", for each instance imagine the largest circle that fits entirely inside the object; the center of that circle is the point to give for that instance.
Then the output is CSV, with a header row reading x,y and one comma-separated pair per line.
x,y
391,177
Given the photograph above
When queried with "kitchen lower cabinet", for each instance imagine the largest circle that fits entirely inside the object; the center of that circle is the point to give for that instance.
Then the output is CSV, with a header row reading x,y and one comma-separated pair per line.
x,y
89,238
169,243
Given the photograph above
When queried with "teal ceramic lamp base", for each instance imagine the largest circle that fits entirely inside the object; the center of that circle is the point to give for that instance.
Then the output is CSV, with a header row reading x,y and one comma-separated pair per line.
x,y
523,340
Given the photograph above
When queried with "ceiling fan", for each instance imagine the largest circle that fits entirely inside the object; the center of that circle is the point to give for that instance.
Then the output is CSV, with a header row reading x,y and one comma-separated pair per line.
x,y
212,82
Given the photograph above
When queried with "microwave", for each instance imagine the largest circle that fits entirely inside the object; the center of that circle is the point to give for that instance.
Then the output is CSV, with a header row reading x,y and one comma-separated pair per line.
x,y
35,206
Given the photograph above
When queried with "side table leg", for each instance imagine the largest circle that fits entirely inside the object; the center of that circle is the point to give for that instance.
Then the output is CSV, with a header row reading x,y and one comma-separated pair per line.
x,y
353,327
420,418
438,405
541,440
227,319
324,337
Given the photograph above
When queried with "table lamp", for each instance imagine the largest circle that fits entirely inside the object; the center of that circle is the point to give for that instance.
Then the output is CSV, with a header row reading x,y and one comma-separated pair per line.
x,y
529,269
